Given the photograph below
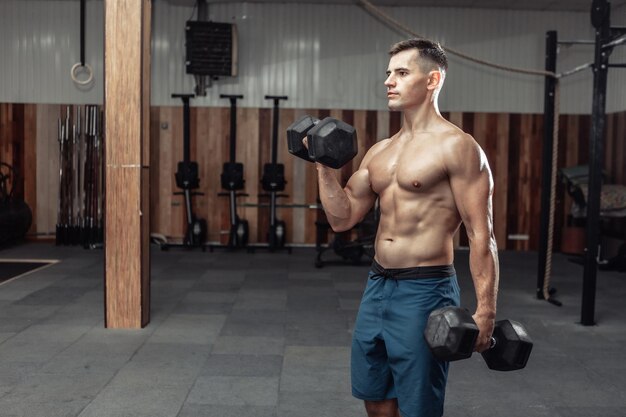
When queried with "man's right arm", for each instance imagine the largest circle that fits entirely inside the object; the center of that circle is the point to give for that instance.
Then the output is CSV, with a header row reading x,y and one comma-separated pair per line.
x,y
346,206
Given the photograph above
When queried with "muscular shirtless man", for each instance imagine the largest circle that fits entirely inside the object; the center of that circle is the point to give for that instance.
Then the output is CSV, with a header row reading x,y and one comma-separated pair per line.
x,y
429,177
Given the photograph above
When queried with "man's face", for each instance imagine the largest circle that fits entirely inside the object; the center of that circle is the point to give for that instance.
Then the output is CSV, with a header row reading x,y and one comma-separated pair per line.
x,y
406,82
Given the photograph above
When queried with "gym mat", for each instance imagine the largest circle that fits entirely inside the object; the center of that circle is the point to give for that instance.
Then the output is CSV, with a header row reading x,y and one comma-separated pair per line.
x,y
13,268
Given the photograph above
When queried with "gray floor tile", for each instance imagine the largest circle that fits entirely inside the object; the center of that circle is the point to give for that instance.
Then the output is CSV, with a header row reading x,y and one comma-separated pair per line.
x,y
207,297
317,335
253,345
235,391
218,276
237,328
320,404
315,368
40,342
137,400
258,317
203,308
349,304
176,360
62,395
310,284
189,329
267,335
13,373
85,358
6,335
310,275
210,286
261,300
211,410
596,411
242,365
13,325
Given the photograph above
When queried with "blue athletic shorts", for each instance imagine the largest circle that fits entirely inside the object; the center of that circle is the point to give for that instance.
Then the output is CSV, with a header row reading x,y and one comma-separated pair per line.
x,y
390,358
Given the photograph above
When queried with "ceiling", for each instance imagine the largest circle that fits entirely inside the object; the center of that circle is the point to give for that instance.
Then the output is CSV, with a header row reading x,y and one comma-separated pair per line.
x,y
547,5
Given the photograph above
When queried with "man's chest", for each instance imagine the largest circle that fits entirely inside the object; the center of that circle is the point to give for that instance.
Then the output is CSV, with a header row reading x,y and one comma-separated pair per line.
x,y
414,168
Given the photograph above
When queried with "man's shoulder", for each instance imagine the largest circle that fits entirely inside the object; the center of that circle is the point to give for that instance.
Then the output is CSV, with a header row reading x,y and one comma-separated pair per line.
x,y
460,150
455,139
380,145
452,131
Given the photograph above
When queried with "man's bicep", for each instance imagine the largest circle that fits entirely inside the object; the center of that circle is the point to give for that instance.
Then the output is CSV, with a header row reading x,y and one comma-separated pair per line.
x,y
360,193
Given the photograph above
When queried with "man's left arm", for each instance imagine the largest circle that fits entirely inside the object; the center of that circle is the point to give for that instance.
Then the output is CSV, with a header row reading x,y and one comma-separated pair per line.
x,y
472,186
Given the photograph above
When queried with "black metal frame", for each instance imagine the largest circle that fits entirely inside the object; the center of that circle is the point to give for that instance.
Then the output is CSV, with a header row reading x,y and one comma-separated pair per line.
x,y
272,189
187,180
605,34
231,191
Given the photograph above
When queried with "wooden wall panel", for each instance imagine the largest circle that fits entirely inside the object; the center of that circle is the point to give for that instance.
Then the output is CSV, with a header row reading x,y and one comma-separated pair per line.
x,y
201,151
395,122
525,191
248,154
609,145
221,135
11,151
568,156
6,136
18,148
287,116
177,220
512,143
300,185
30,161
155,167
264,157
514,186
5,132
499,166
47,175
619,149
161,145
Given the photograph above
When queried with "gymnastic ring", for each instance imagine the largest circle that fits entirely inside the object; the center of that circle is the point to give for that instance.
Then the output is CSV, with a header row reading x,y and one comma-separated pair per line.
x,y
89,71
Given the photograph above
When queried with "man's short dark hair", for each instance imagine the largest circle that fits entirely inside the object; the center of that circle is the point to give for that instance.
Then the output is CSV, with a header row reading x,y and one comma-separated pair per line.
x,y
428,50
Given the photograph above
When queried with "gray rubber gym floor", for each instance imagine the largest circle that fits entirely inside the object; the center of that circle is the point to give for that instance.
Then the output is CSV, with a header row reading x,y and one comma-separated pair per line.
x,y
267,334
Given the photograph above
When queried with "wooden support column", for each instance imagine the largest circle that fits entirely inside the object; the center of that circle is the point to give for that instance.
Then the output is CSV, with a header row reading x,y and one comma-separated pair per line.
x,y
127,125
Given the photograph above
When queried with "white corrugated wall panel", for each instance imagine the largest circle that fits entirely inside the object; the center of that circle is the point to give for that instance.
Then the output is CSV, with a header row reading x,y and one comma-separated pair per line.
x,y
335,56
39,43
331,56
616,95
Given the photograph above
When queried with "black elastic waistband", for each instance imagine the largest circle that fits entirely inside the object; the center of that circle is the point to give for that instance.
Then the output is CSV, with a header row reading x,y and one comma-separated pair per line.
x,y
416,272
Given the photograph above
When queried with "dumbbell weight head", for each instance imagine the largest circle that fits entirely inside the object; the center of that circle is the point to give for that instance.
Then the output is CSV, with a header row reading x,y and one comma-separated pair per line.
x,y
451,334
296,132
512,347
332,143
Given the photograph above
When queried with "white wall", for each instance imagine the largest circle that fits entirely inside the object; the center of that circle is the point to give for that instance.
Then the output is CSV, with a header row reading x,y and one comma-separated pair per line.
x,y
322,56
616,94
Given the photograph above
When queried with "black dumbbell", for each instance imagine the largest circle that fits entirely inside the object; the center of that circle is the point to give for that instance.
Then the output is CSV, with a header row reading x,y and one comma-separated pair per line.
x,y
296,132
451,335
331,142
